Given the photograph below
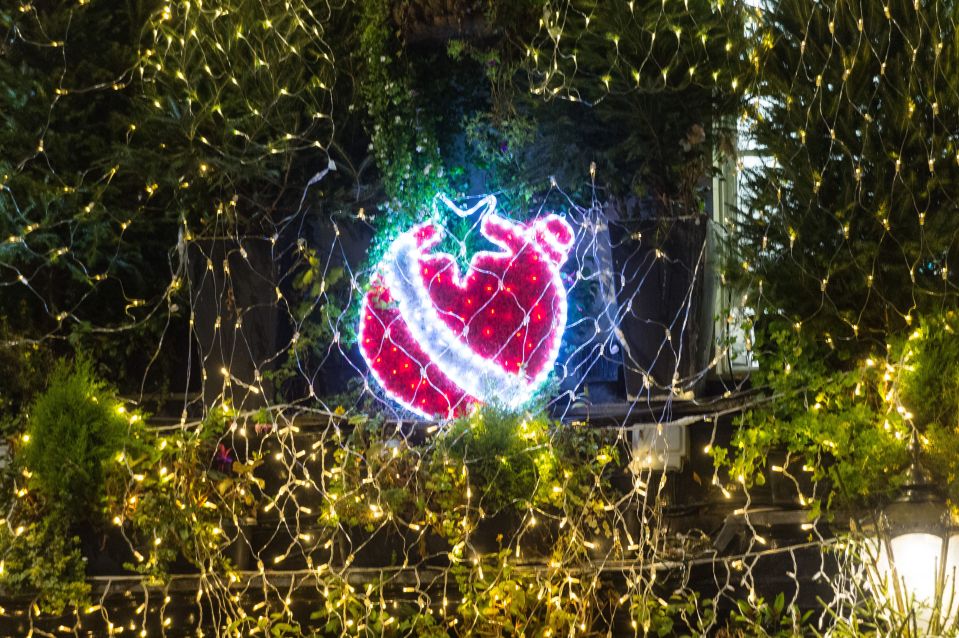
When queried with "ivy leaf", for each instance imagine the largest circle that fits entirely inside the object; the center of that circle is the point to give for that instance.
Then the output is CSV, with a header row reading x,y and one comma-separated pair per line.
x,y
224,486
247,467
334,275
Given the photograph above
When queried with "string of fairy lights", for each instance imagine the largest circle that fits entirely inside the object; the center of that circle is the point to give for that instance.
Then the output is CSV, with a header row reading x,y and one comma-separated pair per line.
x,y
314,529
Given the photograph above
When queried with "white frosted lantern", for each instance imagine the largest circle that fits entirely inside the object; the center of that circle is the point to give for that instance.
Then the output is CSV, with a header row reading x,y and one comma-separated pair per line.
x,y
916,556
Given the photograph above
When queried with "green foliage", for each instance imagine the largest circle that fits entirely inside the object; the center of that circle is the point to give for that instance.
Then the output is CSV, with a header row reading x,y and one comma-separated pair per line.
x,y
379,477
927,387
404,145
851,427
505,128
499,599
41,556
73,429
30,365
63,466
660,81
172,503
235,118
489,472
685,613
836,423
850,221
83,459
927,365
346,613
505,454
503,148
67,197
319,307
122,139
764,618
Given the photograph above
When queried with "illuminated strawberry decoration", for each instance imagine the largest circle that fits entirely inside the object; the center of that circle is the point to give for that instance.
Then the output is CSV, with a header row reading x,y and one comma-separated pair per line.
x,y
439,341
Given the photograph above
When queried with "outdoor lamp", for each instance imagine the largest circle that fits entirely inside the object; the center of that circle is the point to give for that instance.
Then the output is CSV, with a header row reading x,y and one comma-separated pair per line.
x,y
918,552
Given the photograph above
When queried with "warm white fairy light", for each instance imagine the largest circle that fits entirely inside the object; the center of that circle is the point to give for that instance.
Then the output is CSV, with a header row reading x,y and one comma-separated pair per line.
x,y
303,471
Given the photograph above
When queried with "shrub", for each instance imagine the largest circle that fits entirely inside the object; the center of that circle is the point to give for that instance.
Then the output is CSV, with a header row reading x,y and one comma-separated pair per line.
x,y
507,455
73,427
928,374
41,557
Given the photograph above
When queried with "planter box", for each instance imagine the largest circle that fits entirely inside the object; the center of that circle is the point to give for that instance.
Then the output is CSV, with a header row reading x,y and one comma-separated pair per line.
x,y
665,324
285,547
235,320
503,531
590,362
106,552
386,546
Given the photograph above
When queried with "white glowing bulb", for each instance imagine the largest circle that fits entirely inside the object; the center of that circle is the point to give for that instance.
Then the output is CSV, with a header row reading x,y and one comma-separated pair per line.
x,y
915,569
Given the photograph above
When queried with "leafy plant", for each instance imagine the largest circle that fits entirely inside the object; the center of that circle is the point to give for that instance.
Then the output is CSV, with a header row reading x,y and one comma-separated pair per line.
x,y
658,83
927,371
72,191
32,365
74,428
183,494
505,455
85,458
379,477
63,462
684,613
401,130
346,613
41,557
849,222
760,617
850,428
500,599
837,424
233,144
926,377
